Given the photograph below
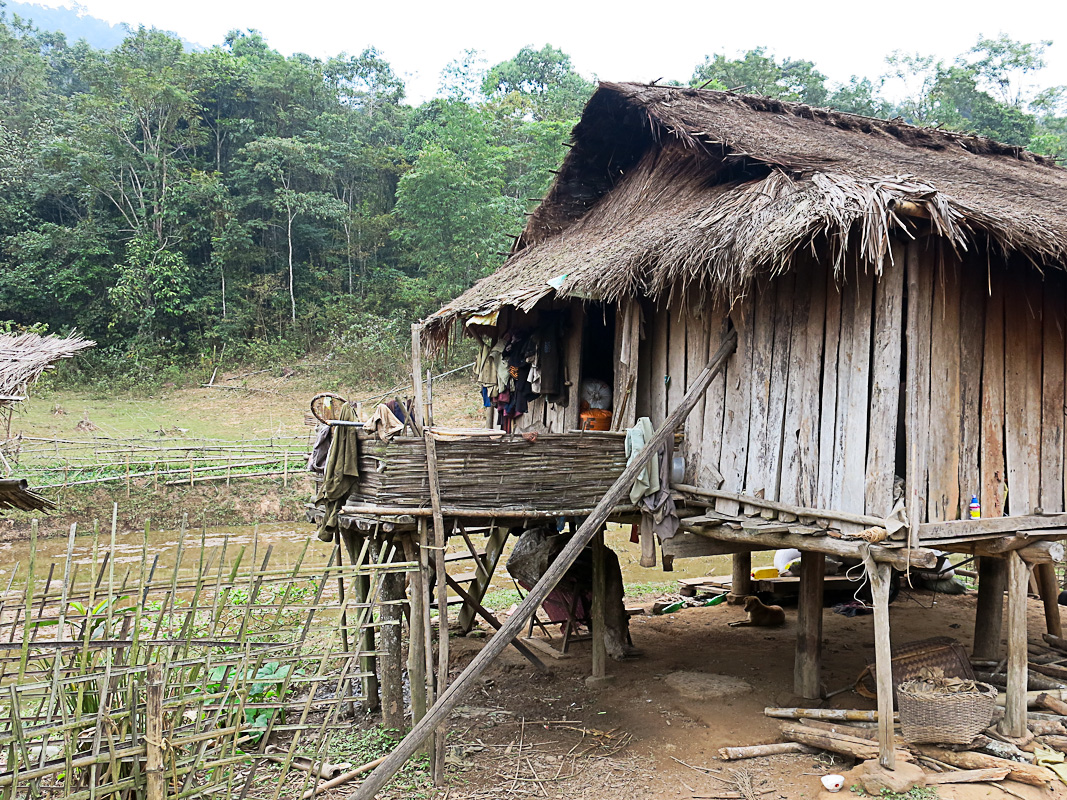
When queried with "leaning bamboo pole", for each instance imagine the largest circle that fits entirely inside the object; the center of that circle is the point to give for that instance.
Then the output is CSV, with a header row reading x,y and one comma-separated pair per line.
x,y
517,621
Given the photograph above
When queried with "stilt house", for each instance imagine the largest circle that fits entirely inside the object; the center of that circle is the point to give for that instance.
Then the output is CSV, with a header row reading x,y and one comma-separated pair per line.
x,y
899,300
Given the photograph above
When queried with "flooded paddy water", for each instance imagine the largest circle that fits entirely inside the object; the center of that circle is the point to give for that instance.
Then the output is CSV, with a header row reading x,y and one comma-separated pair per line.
x,y
289,540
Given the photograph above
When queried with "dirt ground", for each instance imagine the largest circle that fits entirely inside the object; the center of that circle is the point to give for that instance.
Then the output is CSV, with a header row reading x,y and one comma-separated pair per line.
x,y
655,731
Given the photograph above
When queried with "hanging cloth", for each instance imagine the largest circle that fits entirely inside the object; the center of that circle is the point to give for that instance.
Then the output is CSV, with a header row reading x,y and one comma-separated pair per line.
x,y
342,472
651,491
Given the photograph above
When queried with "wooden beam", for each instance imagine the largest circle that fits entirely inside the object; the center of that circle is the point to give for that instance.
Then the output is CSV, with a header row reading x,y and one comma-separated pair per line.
x,y
883,655
850,548
692,545
517,621
1014,722
807,664
961,528
786,508
440,540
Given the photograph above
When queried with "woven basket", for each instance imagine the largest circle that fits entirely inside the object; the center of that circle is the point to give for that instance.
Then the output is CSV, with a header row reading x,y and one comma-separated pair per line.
x,y
943,717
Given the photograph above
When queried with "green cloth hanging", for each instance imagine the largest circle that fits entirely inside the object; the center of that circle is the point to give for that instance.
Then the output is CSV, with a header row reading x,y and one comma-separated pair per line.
x,y
342,472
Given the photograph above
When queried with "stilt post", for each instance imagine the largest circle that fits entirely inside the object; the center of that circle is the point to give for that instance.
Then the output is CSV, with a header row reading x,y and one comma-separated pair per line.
x,y
989,613
883,657
807,666
600,584
741,580
1049,589
1014,722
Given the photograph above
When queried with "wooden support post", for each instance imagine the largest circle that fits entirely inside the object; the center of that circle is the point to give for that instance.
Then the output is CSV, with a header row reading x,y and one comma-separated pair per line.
x,y
989,613
1014,722
156,784
390,673
416,631
439,541
341,596
1048,588
741,581
600,583
883,658
807,666
416,372
367,662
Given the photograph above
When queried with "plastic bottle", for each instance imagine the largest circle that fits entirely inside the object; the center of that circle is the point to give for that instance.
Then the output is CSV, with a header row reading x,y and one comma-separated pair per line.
x,y
976,507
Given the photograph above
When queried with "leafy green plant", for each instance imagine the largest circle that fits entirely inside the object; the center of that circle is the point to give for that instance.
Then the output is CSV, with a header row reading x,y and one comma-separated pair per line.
x,y
266,685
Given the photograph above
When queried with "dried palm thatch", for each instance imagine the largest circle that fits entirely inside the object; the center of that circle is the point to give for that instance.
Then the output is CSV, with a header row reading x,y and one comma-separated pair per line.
x,y
669,188
24,357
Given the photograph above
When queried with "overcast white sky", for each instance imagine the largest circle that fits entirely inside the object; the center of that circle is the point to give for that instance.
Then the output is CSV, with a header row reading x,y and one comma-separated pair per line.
x,y
613,41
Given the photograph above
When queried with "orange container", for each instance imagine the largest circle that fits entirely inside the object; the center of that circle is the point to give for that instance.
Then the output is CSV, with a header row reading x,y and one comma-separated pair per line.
x,y
595,419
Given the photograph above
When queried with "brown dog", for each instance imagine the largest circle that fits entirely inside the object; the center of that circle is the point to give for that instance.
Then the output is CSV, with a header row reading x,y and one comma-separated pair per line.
x,y
760,615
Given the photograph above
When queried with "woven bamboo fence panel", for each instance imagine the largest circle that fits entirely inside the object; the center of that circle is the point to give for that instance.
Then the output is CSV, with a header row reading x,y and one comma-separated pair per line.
x,y
249,652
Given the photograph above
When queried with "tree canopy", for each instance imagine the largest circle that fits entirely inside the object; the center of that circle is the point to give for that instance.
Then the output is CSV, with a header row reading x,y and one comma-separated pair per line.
x,y
169,201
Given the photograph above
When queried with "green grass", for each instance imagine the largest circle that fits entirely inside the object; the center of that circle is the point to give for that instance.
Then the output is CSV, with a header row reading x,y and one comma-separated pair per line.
x,y
413,781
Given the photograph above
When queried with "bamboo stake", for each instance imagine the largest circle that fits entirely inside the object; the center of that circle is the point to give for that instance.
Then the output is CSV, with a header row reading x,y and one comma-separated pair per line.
x,y
156,786
518,620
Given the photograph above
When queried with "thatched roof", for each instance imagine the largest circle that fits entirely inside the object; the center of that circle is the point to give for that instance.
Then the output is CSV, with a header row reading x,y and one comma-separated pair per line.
x,y
669,187
17,494
24,357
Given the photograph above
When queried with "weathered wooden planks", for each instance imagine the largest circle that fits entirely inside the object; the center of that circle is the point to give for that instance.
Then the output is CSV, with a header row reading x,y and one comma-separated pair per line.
x,y
885,385
1052,399
764,321
801,401
708,471
696,352
973,293
660,334
992,460
573,366
853,374
920,277
676,356
828,405
735,435
1022,410
943,453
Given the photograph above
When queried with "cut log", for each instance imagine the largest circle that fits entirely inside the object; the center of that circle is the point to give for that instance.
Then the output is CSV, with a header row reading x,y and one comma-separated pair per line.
x,y
1024,773
870,734
969,776
1053,704
1055,742
1046,727
840,743
1055,641
757,750
516,623
831,714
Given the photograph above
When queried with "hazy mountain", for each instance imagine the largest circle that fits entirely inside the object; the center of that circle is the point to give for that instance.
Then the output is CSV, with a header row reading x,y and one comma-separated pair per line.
x,y
75,23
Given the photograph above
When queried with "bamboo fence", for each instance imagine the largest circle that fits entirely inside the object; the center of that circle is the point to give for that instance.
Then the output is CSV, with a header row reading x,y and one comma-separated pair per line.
x,y
173,461
170,680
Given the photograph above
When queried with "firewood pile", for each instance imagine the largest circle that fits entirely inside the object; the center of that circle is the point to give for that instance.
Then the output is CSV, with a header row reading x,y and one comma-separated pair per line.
x,y
1037,758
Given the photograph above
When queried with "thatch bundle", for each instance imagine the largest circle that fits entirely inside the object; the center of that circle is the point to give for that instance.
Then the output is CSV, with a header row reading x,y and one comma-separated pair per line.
x,y
24,357
669,188
16,494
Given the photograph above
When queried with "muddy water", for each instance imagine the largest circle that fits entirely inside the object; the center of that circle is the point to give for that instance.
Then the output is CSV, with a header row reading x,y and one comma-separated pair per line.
x,y
289,540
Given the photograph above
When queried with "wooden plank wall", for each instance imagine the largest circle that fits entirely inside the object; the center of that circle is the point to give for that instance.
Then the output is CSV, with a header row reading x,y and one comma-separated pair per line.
x,y
807,411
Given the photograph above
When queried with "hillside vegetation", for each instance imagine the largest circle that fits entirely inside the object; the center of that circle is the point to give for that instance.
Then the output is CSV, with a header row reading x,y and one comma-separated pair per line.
x,y
177,206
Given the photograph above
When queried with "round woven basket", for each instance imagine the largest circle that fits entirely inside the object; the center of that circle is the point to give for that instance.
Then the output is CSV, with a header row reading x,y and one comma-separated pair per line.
x,y
929,713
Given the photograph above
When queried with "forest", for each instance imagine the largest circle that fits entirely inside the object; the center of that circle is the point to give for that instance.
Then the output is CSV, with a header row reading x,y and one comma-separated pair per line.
x,y
175,203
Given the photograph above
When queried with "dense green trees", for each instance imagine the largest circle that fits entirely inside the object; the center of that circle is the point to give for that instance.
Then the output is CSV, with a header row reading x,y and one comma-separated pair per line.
x,y
168,201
